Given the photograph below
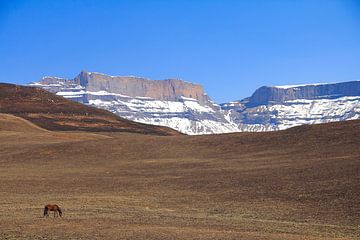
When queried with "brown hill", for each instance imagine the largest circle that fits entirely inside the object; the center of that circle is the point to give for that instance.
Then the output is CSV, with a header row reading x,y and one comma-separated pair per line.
x,y
12,123
53,112
301,183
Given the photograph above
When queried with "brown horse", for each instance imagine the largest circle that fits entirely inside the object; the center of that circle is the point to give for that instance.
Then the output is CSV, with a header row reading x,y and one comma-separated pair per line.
x,y
54,208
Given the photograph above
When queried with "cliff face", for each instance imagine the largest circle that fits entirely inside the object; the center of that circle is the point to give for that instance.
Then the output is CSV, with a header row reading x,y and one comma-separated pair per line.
x,y
274,95
168,90
281,107
180,105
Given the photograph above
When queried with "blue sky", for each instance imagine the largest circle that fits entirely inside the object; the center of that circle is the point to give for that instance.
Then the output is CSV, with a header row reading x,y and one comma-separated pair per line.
x,y
230,47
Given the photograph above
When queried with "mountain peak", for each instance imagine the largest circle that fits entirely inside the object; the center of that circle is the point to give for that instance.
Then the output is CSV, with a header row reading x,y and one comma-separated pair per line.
x,y
279,94
311,84
168,89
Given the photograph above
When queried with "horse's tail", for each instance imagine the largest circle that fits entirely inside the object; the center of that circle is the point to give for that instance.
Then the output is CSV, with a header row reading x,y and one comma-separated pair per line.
x,y
60,212
46,209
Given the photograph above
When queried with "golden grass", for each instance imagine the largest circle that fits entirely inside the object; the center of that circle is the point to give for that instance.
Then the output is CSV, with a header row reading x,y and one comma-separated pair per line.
x,y
297,184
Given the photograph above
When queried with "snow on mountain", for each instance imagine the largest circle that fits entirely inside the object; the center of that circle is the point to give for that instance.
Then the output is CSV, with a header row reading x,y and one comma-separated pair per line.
x,y
185,115
173,103
277,108
187,108
307,84
296,112
299,85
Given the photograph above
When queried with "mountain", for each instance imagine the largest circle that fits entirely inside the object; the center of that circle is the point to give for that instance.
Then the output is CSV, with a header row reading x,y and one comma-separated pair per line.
x,y
187,108
174,103
281,107
53,112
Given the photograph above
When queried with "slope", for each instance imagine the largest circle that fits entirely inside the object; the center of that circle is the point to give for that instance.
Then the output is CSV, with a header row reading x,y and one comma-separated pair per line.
x,y
12,123
300,183
57,113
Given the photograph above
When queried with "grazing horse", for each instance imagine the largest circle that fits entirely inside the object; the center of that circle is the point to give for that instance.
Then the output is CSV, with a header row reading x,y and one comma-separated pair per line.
x,y
54,208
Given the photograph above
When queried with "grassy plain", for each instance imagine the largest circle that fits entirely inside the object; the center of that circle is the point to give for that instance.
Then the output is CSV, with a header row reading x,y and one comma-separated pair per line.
x,y
302,183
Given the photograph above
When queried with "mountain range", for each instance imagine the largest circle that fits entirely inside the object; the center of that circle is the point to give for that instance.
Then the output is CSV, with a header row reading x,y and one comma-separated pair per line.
x,y
186,107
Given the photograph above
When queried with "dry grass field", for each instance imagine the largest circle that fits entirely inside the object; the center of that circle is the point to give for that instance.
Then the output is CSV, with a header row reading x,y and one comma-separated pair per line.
x,y
302,183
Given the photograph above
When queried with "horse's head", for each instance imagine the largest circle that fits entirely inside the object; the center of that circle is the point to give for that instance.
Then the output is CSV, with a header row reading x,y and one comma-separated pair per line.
x,y
46,211
60,212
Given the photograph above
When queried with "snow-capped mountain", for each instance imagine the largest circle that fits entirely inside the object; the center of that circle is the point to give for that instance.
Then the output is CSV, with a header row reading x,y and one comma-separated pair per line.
x,y
174,103
187,108
281,107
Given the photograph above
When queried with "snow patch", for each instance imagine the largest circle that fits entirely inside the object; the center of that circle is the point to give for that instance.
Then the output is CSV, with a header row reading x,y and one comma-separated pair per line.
x,y
309,84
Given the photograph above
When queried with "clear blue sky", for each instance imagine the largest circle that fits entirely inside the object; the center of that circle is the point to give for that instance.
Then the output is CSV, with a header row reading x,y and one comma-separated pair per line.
x,y
230,47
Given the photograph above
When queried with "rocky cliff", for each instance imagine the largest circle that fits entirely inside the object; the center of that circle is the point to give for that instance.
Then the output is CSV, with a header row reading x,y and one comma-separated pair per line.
x,y
180,105
168,90
274,95
281,107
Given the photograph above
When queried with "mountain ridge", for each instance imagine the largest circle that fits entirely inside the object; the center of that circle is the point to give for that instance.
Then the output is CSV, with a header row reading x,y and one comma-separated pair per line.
x,y
132,86
279,94
187,108
174,103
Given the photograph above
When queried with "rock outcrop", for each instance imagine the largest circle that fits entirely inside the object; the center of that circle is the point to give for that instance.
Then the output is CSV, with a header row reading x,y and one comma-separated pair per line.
x,y
168,90
281,107
174,103
275,95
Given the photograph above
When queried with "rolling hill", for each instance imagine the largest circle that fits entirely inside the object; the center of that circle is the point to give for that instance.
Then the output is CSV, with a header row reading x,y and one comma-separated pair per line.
x,y
53,112
300,183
